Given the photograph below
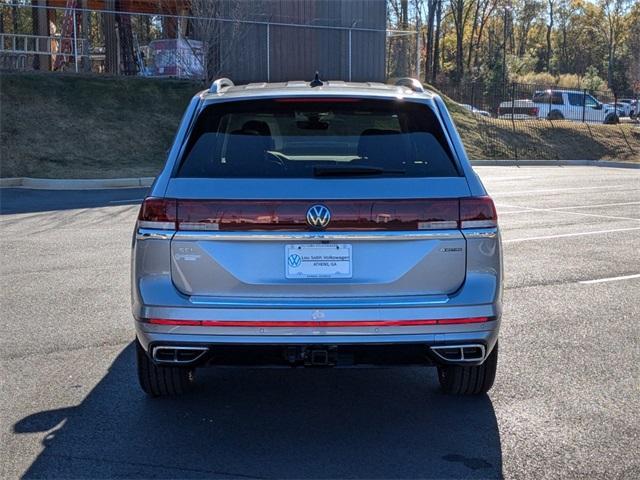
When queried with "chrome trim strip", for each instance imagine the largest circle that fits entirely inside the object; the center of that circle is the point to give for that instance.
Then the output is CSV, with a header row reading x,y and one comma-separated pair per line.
x,y
319,236
154,234
478,224
481,233
156,225
322,302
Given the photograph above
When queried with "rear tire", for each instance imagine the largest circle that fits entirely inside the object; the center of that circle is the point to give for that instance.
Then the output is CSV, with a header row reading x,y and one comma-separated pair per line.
x,y
476,380
612,119
160,381
555,115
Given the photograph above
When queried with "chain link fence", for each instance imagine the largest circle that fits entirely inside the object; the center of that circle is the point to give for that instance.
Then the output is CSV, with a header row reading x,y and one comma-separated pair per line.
x,y
198,47
526,121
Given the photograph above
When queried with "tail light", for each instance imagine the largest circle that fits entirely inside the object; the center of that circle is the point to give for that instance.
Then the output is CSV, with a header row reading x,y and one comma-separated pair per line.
x,y
478,212
533,112
158,213
364,215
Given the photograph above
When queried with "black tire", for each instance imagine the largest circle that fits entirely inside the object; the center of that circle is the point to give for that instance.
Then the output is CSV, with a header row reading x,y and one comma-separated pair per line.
x,y
611,119
555,115
475,380
160,381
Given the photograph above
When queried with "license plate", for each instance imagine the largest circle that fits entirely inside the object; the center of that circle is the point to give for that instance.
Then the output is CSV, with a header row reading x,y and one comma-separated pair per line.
x,y
318,261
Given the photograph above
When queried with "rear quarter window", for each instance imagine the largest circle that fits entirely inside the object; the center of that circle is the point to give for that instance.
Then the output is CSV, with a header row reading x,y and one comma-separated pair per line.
x,y
297,137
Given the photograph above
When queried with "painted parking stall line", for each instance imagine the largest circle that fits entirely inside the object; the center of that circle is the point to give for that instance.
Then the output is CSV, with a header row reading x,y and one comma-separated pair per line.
x,y
524,209
610,279
575,234
552,190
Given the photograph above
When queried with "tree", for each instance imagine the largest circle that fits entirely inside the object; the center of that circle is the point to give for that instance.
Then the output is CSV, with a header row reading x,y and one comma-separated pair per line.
x,y
549,51
614,11
460,10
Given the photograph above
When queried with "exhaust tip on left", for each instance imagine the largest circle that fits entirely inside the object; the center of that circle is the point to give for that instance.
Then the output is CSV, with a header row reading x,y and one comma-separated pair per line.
x,y
177,355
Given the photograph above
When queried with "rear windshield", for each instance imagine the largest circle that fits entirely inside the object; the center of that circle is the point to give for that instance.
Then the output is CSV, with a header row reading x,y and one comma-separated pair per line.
x,y
300,137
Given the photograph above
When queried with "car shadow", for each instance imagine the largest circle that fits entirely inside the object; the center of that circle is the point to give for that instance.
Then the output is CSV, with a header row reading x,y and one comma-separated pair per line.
x,y
265,423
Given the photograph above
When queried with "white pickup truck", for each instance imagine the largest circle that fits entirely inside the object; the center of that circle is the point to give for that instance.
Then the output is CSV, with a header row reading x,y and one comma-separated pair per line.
x,y
561,104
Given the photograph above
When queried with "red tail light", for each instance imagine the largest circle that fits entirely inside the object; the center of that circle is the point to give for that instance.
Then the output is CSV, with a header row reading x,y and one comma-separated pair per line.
x,y
316,323
533,112
478,212
363,215
158,213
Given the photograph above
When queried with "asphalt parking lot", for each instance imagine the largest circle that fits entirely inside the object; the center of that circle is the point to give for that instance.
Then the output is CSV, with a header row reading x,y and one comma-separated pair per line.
x,y
566,403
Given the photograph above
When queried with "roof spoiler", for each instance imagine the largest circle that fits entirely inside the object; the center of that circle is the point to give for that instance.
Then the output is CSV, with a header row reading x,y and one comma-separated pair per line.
x,y
219,84
412,83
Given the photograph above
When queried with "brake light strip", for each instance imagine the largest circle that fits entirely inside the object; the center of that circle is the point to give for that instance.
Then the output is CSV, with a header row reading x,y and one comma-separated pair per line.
x,y
315,323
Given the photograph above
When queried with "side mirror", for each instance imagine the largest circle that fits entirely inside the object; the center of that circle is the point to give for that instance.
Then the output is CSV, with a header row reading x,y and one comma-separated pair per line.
x,y
598,106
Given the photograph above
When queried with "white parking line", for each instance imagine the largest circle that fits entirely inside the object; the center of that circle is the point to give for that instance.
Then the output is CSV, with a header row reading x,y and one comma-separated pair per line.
x,y
528,209
577,234
548,190
497,179
127,200
610,279
556,210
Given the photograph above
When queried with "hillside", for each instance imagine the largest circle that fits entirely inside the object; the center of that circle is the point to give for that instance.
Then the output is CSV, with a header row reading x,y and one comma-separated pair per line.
x,y
67,126
87,127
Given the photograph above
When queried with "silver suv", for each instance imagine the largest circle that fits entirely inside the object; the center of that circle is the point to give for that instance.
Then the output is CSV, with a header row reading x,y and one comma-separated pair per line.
x,y
317,224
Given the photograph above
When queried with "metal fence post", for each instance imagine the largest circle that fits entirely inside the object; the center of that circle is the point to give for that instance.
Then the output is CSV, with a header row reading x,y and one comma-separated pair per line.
x,y
473,91
268,56
350,32
513,117
584,103
418,52
75,39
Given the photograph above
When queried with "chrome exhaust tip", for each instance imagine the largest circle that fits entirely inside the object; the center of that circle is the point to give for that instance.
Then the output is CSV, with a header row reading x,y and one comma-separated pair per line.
x,y
177,355
473,352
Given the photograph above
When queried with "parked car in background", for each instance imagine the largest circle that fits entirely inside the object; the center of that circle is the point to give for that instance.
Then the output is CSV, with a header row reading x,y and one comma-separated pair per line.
x,y
561,105
475,110
317,224
630,106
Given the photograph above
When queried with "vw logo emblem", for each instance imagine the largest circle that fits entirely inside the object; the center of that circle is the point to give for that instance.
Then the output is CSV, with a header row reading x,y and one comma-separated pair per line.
x,y
294,260
318,216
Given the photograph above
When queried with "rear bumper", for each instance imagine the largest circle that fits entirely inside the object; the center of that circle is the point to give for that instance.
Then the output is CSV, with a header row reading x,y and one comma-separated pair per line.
x,y
218,340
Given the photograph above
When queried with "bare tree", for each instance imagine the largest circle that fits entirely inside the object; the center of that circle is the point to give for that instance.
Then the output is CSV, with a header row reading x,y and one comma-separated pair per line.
x,y
221,40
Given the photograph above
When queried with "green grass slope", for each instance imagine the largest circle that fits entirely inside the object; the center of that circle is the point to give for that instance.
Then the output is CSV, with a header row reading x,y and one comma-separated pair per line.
x,y
66,126
69,126
492,138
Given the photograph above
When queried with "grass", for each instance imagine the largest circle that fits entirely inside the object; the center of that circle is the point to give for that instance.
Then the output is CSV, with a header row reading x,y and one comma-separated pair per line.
x,y
487,138
69,126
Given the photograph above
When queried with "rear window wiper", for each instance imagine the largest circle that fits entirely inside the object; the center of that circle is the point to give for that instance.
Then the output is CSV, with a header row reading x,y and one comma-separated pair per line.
x,y
351,170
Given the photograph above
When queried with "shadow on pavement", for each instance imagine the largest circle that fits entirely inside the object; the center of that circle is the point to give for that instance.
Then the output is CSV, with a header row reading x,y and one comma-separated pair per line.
x,y
25,200
261,423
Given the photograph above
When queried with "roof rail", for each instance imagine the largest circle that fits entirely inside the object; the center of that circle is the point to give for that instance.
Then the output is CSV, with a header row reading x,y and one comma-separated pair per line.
x,y
219,84
412,83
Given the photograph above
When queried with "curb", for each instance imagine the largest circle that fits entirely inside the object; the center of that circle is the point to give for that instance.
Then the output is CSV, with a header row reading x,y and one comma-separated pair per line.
x,y
75,184
104,183
554,163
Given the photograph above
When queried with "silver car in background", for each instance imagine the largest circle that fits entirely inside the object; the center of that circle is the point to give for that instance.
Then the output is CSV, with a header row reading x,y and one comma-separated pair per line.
x,y
317,224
